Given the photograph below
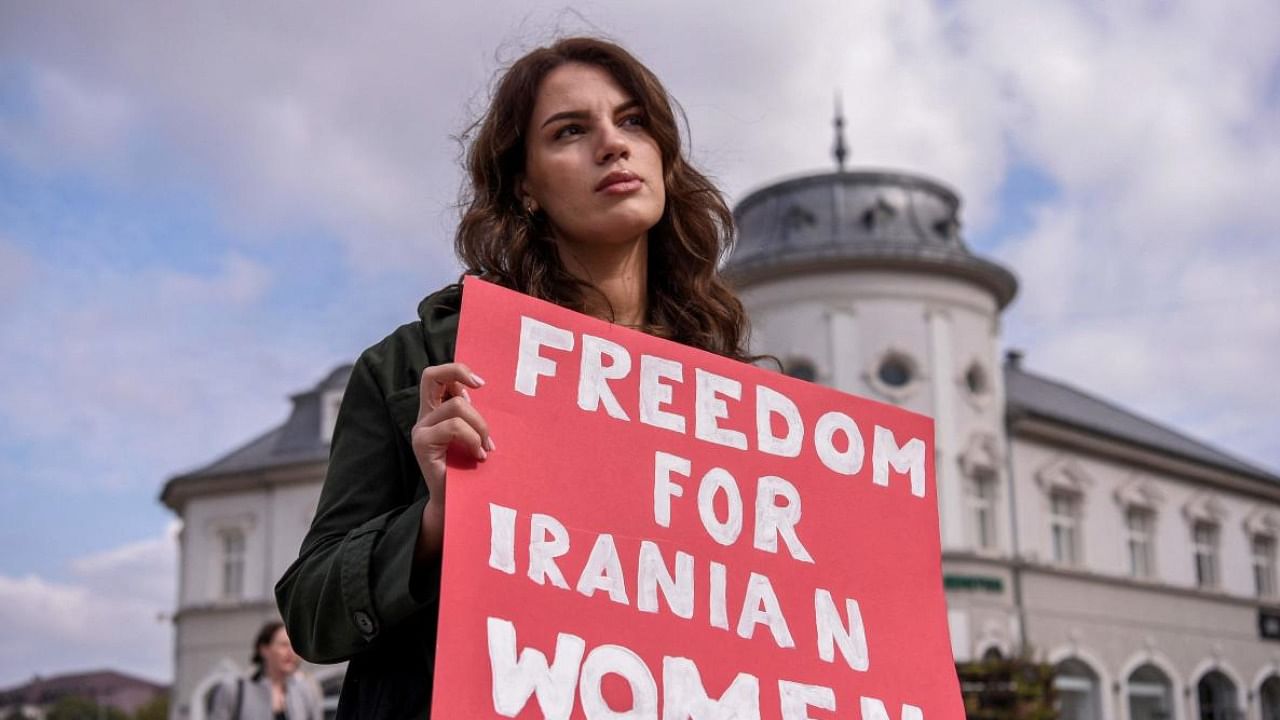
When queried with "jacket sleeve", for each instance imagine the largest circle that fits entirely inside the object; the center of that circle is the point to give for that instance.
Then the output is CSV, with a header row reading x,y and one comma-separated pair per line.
x,y
354,578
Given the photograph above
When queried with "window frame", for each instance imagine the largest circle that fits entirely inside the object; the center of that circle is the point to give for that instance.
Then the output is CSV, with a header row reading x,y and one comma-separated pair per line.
x,y
1205,555
1140,541
982,499
231,562
1066,525
1263,564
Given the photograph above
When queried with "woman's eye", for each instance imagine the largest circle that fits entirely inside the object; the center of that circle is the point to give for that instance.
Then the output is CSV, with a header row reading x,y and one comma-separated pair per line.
x,y
636,120
569,130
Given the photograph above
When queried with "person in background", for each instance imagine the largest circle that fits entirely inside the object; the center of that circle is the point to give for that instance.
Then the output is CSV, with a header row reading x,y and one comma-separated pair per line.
x,y
276,690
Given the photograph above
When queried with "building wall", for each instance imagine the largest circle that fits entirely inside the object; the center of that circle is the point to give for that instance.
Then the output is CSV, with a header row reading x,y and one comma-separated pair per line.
x,y
1105,486
847,323
213,633
1093,612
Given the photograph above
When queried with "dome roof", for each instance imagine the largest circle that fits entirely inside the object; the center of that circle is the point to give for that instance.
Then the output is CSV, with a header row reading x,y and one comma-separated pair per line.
x,y
847,219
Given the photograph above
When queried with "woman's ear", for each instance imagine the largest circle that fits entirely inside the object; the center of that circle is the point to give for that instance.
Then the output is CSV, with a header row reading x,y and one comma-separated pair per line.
x,y
527,201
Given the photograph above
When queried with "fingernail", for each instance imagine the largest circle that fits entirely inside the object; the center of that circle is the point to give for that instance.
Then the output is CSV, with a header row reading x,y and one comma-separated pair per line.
x,y
488,444
466,395
477,379
482,454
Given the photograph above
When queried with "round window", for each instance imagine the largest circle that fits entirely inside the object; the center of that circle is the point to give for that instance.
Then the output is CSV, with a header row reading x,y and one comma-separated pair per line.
x,y
801,369
895,371
976,380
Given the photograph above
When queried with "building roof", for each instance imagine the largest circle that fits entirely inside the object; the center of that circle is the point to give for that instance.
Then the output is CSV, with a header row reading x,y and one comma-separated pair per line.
x,y
867,218
299,439
103,685
1038,396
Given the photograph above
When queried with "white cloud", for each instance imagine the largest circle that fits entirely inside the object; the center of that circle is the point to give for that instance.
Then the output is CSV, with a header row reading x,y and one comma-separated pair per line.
x,y
1147,279
1158,123
347,120
111,613
136,374
241,282
75,123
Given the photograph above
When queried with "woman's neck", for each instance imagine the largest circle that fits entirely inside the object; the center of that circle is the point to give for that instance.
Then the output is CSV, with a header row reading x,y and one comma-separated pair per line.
x,y
621,274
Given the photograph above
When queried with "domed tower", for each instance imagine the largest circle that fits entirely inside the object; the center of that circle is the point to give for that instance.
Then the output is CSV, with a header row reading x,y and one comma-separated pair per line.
x,y
860,280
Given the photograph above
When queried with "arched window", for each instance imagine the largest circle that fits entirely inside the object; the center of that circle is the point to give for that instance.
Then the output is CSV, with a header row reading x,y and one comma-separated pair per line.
x,y
1217,697
1077,687
1269,698
1150,694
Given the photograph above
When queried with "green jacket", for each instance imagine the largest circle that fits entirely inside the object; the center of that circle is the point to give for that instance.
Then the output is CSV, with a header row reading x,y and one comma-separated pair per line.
x,y
353,593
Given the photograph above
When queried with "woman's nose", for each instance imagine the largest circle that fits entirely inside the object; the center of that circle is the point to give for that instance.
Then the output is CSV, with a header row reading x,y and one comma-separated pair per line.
x,y
613,145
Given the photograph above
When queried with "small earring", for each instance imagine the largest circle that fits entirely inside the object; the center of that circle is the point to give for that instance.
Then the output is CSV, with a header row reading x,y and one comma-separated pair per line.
x,y
531,206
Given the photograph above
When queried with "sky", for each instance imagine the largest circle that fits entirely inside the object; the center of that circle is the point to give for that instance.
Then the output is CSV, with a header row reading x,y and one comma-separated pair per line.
x,y
205,207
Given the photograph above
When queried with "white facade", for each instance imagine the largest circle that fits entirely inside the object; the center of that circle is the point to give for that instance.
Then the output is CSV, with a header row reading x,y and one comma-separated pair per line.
x,y
243,521
1140,563
1144,573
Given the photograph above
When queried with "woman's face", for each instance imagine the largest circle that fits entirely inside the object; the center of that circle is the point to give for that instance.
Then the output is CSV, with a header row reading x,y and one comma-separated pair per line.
x,y
278,657
590,163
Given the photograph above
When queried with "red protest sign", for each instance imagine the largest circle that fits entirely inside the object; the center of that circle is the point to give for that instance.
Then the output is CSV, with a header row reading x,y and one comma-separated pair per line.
x,y
665,533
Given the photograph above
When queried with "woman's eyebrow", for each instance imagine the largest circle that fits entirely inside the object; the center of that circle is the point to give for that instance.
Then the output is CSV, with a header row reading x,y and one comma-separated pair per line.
x,y
583,114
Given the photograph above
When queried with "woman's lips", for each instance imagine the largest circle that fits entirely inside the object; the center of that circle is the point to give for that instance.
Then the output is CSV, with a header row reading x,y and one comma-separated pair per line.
x,y
620,182
622,187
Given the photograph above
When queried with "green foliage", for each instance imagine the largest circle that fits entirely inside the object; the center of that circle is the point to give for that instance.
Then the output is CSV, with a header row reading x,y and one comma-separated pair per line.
x,y
74,707
157,709
1016,689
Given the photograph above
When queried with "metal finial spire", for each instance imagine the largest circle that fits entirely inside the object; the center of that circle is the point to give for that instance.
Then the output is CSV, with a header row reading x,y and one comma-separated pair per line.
x,y
841,151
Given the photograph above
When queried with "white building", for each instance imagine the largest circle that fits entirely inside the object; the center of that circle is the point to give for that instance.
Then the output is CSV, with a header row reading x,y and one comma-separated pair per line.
x,y
243,519
1139,561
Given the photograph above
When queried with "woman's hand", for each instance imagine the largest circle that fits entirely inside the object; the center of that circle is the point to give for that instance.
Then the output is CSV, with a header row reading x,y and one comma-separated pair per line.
x,y
446,418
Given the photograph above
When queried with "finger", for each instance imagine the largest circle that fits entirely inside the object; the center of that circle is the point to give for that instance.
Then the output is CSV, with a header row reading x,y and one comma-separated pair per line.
x,y
455,371
436,379
459,408
457,389
436,439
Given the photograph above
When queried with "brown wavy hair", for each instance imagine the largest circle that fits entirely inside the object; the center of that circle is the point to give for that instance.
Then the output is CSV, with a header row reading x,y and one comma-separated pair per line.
x,y
687,300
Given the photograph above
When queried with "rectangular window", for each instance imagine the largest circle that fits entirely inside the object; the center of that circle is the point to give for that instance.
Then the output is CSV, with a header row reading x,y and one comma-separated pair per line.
x,y
1139,523
1064,520
232,563
982,510
1264,565
1204,536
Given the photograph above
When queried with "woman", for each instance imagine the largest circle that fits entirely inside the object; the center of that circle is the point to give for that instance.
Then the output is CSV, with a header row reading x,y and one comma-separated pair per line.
x,y
276,690
579,193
